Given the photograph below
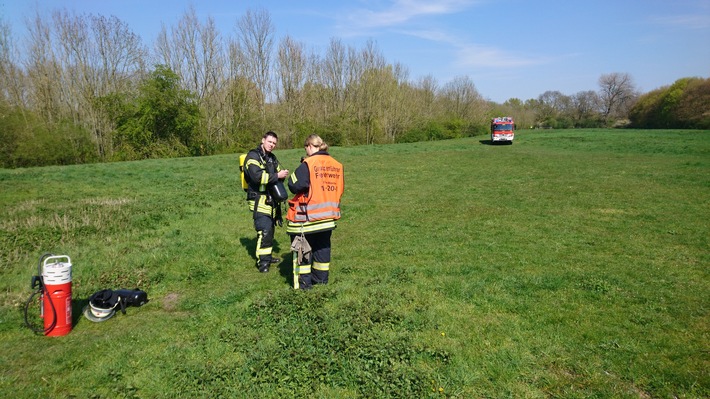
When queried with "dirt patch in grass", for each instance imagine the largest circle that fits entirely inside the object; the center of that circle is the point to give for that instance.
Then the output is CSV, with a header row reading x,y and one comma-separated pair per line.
x,y
171,301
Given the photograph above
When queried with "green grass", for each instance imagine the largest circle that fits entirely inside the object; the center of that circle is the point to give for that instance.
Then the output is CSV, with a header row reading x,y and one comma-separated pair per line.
x,y
571,264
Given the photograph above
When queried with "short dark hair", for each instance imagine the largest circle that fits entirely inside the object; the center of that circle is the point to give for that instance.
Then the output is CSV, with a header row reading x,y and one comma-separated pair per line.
x,y
270,133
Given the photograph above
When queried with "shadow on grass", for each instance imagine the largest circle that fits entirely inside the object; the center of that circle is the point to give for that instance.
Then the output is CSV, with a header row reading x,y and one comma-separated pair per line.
x,y
285,268
36,321
79,306
491,142
77,310
250,245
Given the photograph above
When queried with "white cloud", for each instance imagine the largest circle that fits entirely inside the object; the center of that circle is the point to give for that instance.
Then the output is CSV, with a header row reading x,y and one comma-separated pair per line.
x,y
402,11
471,55
688,21
399,17
476,55
433,35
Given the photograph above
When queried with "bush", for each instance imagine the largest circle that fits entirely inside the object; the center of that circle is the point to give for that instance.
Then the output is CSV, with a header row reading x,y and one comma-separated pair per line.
x,y
432,130
589,122
683,105
442,130
163,121
560,122
25,141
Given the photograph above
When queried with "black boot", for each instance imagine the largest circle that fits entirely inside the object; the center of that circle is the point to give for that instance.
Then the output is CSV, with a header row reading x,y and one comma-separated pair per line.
x,y
263,266
304,282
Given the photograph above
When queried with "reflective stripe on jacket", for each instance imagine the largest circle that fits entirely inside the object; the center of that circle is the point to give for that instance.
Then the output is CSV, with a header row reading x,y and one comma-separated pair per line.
x,y
309,227
260,170
310,210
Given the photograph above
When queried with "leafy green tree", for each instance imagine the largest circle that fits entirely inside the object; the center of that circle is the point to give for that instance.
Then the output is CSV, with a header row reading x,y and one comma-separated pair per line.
x,y
693,111
245,125
670,101
12,128
644,113
25,141
164,120
684,104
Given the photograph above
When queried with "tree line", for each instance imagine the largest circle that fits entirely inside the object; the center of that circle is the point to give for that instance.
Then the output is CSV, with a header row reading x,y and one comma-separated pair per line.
x,y
85,88
683,105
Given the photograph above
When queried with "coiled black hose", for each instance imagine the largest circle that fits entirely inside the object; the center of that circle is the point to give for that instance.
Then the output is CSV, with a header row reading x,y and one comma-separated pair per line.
x,y
42,290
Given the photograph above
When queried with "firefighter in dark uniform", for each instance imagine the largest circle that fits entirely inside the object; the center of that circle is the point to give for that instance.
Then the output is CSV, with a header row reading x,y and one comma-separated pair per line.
x,y
262,171
318,185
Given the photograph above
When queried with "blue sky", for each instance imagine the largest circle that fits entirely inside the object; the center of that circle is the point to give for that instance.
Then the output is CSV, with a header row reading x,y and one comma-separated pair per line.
x,y
509,48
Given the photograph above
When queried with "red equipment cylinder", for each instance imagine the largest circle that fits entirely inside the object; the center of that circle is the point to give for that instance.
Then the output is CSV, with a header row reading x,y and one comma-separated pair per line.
x,y
56,297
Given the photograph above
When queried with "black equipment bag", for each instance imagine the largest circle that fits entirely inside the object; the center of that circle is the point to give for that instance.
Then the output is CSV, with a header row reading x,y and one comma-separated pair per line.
x,y
108,299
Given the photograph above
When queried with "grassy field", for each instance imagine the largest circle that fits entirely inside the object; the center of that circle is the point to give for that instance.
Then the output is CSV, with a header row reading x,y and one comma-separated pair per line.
x,y
571,264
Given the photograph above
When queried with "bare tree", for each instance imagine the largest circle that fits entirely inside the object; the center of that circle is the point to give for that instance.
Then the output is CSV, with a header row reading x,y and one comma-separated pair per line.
x,y
522,112
243,101
371,56
422,98
462,98
256,43
43,71
163,50
121,54
397,112
428,87
373,82
292,69
317,96
77,57
120,61
97,57
585,105
550,105
186,45
12,85
617,93
209,80
195,51
335,73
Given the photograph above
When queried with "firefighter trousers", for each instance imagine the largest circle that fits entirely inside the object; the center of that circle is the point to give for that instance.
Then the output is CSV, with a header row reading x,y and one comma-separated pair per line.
x,y
264,226
316,272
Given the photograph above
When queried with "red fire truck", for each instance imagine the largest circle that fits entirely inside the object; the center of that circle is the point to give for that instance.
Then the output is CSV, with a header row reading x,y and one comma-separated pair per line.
x,y
502,129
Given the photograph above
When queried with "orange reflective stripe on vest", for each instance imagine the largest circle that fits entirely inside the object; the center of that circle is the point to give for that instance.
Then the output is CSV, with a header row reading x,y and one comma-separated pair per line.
x,y
326,189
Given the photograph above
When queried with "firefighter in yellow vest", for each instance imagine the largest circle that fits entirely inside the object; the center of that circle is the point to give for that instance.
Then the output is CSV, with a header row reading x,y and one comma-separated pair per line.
x,y
318,186
262,172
